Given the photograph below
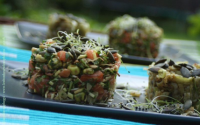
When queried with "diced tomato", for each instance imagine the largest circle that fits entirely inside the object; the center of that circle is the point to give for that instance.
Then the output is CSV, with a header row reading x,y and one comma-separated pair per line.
x,y
33,84
117,59
31,67
152,46
32,80
127,37
65,73
96,77
102,94
62,55
91,54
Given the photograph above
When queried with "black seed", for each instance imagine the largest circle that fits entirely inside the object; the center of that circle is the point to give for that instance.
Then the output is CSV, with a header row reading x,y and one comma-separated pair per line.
x,y
196,72
160,61
75,34
183,64
51,50
177,66
84,39
82,50
189,67
58,48
165,66
162,65
171,62
154,69
185,72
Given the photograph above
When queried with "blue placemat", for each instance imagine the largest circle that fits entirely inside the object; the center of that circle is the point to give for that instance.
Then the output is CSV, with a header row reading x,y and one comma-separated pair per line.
x,y
33,117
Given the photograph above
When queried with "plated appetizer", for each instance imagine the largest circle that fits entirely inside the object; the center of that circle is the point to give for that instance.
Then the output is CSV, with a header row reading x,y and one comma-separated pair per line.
x,y
73,68
68,22
175,82
135,36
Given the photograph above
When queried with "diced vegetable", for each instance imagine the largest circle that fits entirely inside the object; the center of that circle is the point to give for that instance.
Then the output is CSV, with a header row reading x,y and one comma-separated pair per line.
x,y
65,73
96,77
31,67
74,69
62,55
91,54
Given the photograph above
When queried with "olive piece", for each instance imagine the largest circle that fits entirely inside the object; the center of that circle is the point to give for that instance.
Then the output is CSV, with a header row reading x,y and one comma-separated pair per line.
x,y
51,50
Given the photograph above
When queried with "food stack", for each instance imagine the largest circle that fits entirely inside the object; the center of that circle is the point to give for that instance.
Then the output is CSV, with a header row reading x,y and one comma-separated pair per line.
x,y
135,36
73,68
169,81
68,23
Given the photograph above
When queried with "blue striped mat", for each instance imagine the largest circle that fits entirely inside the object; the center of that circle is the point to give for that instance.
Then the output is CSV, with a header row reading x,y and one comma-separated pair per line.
x,y
21,116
